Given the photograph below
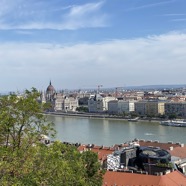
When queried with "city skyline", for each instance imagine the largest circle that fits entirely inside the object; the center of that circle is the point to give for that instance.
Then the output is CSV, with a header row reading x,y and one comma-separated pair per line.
x,y
83,44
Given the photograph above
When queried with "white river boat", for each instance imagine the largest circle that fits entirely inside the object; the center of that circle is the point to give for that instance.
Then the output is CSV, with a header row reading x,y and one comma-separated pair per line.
x,y
174,123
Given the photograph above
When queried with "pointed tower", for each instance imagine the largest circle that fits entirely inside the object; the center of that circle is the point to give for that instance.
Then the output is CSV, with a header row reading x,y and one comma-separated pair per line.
x,y
43,98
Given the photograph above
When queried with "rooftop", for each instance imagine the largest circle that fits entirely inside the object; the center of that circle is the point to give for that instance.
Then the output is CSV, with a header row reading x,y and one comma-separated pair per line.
x,y
113,178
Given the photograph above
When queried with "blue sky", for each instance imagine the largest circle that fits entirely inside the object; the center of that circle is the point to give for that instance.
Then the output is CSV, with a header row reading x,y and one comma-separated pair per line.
x,y
85,43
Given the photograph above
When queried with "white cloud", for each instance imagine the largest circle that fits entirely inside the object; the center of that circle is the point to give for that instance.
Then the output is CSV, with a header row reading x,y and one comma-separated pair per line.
x,y
150,5
46,15
173,14
78,11
178,20
152,60
86,16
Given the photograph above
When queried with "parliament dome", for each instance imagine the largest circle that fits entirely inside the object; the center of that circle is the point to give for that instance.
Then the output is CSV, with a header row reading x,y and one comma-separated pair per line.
x,y
50,88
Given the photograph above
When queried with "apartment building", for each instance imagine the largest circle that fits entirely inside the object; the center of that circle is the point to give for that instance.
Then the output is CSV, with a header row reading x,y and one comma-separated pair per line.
x,y
155,108
97,103
113,107
106,100
120,106
125,106
140,107
178,108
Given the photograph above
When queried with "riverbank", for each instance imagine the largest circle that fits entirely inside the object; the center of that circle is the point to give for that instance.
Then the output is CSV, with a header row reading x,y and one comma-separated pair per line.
x,y
100,116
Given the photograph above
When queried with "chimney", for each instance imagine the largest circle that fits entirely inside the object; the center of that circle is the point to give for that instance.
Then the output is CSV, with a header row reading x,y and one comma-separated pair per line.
x,y
182,145
171,148
160,173
167,171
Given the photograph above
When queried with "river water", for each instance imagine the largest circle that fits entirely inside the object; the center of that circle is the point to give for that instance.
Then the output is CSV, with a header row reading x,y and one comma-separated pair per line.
x,y
109,131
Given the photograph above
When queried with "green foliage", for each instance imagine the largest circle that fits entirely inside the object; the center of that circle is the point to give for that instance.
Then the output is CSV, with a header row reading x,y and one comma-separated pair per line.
x,y
91,168
47,106
172,116
161,116
21,118
134,114
82,109
168,165
57,164
25,161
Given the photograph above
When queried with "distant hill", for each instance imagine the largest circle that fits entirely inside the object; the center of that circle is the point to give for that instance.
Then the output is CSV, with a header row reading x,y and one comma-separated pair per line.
x,y
140,87
156,86
148,87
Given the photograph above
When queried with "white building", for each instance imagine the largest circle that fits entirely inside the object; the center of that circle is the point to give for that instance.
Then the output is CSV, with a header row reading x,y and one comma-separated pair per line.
x,y
64,103
120,106
106,100
97,103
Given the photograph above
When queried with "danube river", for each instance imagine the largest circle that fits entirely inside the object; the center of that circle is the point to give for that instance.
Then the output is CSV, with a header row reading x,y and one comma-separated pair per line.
x,y
109,131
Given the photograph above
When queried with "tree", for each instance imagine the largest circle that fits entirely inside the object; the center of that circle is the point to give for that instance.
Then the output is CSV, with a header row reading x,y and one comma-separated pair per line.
x,y
25,161
22,118
82,109
134,114
91,168
172,116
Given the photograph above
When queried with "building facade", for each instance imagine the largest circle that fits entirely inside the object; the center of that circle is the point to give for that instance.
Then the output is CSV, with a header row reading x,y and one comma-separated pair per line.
x,y
97,103
66,103
177,108
140,107
155,108
120,106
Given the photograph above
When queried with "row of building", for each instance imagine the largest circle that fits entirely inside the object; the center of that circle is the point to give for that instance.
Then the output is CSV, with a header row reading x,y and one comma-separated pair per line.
x,y
147,107
140,103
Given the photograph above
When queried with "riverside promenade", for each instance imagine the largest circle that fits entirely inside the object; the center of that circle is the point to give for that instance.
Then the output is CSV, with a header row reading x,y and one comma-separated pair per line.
x,y
98,116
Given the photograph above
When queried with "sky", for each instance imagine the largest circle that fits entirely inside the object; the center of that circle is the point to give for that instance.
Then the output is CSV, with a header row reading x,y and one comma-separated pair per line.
x,y
79,44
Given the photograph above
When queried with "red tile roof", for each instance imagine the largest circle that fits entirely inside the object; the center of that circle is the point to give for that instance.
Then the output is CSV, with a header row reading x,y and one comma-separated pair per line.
x,y
178,152
112,178
130,179
165,146
102,153
100,150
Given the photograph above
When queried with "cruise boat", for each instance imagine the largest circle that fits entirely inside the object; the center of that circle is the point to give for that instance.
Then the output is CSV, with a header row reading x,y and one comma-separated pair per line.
x,y
174,123
133,119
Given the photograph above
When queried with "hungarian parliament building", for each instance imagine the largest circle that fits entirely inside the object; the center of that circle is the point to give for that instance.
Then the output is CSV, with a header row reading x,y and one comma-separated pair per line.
x,y
59,101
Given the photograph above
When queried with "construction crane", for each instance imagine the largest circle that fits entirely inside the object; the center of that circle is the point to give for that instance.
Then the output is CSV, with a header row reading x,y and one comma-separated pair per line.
x,y
90,88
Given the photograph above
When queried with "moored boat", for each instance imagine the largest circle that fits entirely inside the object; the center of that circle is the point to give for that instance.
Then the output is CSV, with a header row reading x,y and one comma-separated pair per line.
x,y
174,123
133,119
